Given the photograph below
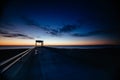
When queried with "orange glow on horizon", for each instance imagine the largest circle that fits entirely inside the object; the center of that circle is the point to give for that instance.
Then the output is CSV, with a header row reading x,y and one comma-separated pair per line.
x,y
16,42
32,42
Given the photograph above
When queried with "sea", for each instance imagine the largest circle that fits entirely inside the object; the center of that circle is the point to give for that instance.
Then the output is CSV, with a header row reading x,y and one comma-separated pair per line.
x,y
66,47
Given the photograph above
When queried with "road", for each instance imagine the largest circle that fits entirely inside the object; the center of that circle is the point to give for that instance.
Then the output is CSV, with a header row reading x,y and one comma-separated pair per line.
x,y
48,65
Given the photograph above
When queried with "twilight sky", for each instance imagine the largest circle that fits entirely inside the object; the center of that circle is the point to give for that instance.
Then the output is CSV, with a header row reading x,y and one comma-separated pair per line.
x,y
59,22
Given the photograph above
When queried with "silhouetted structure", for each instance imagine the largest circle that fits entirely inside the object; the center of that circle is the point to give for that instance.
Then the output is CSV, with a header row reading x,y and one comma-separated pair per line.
x,y
39,41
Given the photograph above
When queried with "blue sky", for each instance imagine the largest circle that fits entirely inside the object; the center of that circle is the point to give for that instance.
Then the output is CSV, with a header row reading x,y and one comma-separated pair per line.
x,y
59,22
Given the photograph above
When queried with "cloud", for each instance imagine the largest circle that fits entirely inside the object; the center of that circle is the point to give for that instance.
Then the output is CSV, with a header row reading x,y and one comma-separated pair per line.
x,y
49,30
6,25
54,32
111,32
4,33
23,36
69,28
31,22
65,29
7,30
88,34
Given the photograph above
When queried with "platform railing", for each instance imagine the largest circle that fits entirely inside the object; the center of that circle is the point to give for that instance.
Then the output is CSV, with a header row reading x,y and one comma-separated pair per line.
x,y
11,61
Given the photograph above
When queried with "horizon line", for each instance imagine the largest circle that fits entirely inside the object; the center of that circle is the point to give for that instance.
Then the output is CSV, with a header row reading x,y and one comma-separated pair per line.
x,y
68,45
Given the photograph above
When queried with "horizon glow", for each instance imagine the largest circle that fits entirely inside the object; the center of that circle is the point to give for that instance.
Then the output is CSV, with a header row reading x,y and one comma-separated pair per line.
x,y
58,23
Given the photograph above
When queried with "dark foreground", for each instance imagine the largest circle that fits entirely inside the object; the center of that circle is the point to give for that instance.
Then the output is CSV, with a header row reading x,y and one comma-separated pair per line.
x,y
67,64
7,53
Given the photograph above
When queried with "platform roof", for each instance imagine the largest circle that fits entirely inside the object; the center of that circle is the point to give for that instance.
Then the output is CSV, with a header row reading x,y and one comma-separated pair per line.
x,y
39,41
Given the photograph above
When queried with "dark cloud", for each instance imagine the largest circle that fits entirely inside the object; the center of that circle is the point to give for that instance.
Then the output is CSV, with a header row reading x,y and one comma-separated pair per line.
x,y
69,28
93,33
113,32
5,24
31,22
23,36
54,32
111,29
4,33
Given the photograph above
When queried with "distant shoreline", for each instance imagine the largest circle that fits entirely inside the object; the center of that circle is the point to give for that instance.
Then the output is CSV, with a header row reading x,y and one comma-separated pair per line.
x,y
62,47
59,45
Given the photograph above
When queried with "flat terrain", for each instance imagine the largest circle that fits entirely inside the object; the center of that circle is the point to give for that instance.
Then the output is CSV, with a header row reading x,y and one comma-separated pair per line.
x,y
68,64
7,53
